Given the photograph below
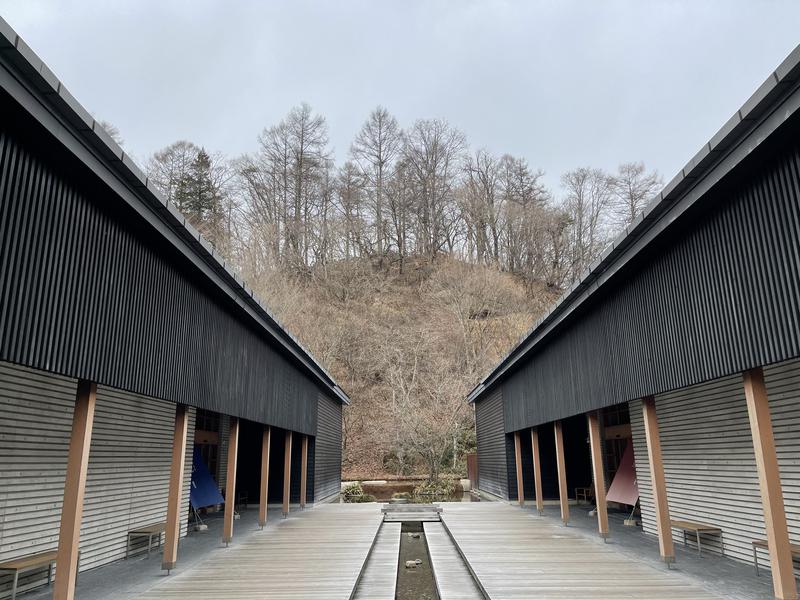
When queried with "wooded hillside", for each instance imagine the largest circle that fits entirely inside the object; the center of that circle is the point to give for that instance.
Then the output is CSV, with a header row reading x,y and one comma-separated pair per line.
x,y
408,269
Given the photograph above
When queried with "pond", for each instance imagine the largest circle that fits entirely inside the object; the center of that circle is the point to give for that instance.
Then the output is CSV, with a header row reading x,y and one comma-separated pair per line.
x,y
384,491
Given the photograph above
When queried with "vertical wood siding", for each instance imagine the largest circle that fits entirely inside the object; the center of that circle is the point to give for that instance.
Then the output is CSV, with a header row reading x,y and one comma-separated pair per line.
x,y
709,460
88,290
327,454
492,462
717,294
127,481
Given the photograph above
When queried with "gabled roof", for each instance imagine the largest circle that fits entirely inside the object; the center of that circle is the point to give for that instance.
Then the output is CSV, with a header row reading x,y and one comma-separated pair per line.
x,y
146,199
726,149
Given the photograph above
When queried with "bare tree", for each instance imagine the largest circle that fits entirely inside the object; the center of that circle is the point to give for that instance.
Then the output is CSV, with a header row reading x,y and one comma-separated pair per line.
x,y
198,184
113,131
170,166
308,151
350,203
375,148
524,199
588,197
288,190
633,188
433,151
483,205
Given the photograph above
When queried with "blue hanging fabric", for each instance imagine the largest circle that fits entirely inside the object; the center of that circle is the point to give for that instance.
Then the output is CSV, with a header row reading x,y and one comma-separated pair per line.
x,y
204,490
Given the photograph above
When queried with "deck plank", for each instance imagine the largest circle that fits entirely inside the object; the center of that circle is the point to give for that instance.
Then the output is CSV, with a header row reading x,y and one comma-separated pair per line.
x,y
380,574
518,555
452,576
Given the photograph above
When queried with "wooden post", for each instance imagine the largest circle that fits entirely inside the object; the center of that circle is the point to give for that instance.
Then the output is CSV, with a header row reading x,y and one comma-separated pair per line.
x,y
74,488
304,472
287,473
659,482
597,470
264,500
518,457
230,482
562,473
537,470
769,481
175,499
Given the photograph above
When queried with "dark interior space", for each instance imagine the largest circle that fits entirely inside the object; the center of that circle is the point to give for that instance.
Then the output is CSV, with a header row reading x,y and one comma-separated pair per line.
x,y
576,456
275,485
297,454
248,470
248,467
547,446
616,431
577,453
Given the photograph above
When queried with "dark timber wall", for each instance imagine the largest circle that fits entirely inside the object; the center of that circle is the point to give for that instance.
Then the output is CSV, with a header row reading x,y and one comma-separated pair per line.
x,y
89,290
718,293
492,473
328,449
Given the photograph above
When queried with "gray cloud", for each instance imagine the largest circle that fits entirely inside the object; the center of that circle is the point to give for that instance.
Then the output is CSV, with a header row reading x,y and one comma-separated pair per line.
x,y
562,83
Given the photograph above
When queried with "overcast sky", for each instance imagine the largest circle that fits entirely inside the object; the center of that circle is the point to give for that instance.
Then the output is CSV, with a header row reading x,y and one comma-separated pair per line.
x,y
564,84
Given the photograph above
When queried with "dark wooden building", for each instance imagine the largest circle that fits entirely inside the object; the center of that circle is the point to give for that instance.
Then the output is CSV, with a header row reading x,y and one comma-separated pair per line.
x,y
120,328
683,338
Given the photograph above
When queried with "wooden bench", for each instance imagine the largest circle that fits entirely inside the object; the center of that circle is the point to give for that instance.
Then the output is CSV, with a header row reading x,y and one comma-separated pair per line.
x,y
697,528
149,531
794,549
28,563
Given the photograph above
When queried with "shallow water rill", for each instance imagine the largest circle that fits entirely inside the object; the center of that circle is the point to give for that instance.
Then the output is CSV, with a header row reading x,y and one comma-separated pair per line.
x,y
415,579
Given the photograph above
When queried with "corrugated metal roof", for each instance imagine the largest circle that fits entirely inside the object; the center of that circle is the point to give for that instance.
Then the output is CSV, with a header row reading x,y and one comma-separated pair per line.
x,y
32,71
665,207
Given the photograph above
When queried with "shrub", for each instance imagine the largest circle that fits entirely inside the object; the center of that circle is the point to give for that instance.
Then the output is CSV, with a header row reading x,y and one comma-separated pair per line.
x,y
353,492
439,487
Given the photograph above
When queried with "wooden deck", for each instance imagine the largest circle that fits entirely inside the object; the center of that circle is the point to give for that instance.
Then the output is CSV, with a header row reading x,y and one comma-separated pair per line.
x,y
452,576
317,553
380,574
518,555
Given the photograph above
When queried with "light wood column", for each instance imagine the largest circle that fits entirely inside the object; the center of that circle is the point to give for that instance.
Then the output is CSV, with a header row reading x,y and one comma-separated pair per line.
x,y
175,498
520,480
304,472
74,488
597,469
287,472
230,482
658,481
537,470
562,472
264,496
769,480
